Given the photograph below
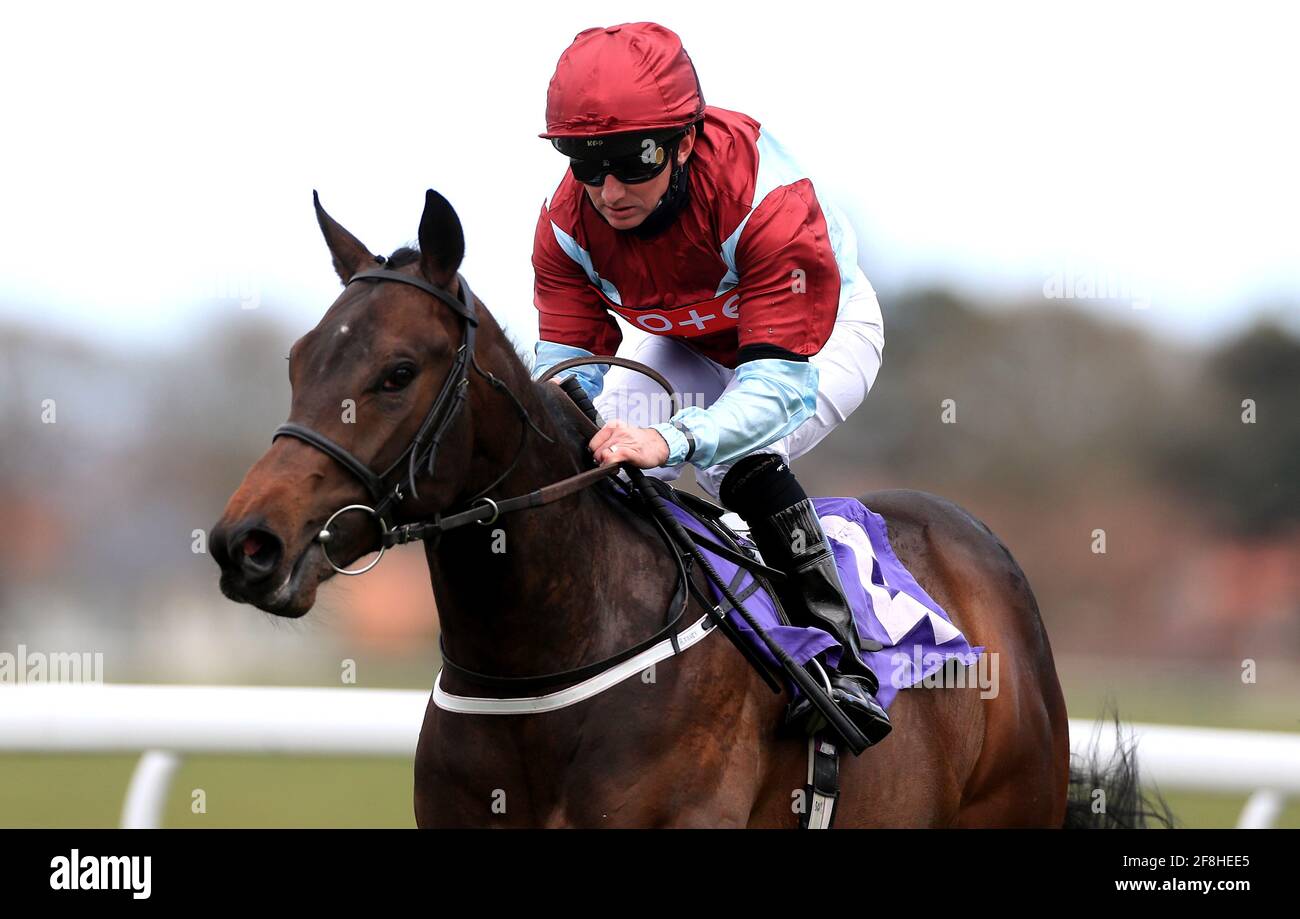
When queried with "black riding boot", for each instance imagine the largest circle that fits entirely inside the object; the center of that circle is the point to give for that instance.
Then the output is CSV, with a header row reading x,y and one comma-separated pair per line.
x,y
792,541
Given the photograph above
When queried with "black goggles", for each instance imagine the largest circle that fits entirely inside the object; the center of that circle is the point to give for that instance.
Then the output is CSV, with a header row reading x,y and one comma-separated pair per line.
x,y
653,156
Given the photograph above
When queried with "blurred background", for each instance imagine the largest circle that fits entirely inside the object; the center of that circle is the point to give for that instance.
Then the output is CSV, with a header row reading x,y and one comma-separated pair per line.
x,y
1080,222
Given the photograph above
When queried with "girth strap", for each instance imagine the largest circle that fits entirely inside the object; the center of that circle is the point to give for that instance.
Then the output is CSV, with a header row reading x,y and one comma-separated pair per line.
x,y
823,788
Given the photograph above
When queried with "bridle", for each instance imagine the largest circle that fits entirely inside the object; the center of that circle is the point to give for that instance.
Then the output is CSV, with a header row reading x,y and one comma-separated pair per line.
x,y
421,454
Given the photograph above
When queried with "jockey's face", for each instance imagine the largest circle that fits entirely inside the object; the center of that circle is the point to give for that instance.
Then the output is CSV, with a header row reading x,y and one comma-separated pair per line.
x,y
626,206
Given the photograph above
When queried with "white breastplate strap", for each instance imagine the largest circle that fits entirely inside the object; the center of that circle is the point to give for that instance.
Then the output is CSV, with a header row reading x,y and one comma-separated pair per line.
x,y
578,692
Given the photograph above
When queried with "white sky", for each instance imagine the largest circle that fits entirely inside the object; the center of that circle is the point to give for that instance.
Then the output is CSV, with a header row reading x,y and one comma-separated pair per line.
x,y
157,158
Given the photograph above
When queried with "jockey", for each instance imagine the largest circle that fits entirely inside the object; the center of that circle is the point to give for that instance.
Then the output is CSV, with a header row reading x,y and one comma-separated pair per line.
x,y
695,226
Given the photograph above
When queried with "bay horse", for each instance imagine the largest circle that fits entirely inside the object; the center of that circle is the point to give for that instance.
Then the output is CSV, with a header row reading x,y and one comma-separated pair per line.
x,y
576,580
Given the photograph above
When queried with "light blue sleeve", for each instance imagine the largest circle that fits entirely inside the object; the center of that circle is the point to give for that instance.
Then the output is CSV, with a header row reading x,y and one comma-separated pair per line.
x,y
550,353
772,398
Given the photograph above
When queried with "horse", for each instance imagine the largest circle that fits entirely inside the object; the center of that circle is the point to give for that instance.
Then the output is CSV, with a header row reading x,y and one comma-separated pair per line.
x,y
552,586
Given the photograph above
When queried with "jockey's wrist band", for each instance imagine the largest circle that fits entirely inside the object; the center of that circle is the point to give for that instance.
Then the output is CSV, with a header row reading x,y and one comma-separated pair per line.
x,y
690,439
549,353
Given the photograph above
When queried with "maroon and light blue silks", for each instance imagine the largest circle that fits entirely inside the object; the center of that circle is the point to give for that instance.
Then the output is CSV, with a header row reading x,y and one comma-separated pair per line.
x,y
888,604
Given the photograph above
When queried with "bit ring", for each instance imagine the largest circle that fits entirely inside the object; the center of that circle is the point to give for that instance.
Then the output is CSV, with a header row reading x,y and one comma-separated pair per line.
x,y
324,537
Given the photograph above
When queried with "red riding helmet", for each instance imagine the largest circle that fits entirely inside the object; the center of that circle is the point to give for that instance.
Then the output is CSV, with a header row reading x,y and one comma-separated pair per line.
x,y
620,79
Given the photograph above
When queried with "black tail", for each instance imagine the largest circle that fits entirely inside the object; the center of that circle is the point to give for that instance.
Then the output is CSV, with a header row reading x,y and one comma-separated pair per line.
x,y
1107,795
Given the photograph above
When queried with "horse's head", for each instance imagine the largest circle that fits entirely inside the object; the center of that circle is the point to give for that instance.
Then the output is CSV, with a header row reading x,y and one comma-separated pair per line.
x,y
364,382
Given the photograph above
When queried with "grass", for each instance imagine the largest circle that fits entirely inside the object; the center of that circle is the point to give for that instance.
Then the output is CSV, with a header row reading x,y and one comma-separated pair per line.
x,y
88,791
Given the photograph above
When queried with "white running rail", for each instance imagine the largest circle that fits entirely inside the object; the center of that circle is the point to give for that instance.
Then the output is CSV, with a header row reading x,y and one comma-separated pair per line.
x,y
169,722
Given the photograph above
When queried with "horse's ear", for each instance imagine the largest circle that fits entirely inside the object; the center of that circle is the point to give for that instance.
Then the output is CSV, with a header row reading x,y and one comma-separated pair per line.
x,y
442,241
348,253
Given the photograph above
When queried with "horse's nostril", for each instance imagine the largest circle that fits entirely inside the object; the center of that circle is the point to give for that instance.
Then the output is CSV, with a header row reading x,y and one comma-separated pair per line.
x,y
256,551
253,544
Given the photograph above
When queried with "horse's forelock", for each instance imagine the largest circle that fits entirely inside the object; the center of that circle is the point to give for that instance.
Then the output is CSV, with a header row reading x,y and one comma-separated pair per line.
x,y
406,255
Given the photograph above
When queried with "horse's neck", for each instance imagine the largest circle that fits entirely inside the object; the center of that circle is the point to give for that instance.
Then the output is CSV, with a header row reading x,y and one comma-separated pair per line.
x,y
553,587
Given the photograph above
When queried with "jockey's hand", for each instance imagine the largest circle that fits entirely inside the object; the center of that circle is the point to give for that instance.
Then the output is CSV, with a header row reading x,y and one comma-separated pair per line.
x,y
619,442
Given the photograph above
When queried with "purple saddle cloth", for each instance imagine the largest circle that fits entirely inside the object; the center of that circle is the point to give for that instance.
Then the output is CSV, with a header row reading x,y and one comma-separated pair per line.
x,y
888,605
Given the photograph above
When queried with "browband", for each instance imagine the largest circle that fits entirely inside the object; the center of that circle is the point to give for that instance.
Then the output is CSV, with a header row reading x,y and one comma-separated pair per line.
x,y
464,306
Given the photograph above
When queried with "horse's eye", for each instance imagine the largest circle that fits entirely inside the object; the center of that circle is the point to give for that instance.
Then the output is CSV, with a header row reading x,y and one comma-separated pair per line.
x,y
399,378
